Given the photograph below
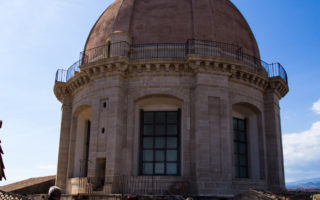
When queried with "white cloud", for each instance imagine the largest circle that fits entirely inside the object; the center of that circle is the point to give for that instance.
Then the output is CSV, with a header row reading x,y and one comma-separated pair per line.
x,y
301,153
316,107
304,146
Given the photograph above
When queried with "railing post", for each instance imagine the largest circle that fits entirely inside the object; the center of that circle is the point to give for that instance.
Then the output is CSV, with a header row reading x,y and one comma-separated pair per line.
x,y
186,48
57,75
157,55
239,53
191,46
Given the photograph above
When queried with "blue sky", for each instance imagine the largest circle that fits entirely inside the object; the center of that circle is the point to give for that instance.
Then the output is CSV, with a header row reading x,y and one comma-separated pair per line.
x,y
39,36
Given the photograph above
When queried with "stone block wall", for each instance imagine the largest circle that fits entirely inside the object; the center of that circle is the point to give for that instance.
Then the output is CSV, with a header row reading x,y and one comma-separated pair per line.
x,y
209,97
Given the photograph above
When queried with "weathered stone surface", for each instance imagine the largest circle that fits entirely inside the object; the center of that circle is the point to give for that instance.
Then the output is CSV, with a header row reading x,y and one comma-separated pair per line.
x,y
208,90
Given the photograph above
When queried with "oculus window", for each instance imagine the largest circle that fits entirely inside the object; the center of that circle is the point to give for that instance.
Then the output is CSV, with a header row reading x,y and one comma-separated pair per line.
x,y
160,143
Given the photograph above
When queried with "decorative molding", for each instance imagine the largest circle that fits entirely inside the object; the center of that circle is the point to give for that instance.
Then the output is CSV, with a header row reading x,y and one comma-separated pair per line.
x,y
61,91
278,85
234,69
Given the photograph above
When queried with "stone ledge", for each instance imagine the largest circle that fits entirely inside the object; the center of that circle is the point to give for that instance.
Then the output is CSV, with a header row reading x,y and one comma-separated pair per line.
x,y
236,70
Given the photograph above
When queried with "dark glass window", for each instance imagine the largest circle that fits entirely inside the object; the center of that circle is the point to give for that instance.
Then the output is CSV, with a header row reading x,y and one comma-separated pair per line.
x,y
160,143
240,148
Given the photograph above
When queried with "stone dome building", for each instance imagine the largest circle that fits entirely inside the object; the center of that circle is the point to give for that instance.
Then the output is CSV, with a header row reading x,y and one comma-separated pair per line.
x,y
170,96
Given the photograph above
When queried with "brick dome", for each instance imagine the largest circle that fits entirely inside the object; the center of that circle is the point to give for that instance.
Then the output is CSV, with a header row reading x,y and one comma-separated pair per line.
x,y
174,21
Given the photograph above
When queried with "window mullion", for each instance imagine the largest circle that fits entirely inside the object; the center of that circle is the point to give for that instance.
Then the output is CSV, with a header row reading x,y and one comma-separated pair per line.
x,y
154,144
241,145
166,147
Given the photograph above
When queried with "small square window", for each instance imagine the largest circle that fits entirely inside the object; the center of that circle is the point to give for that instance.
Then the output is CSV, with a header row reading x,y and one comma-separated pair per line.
x,y
243,172
236,147
160,117
172,129
159,168
243,160
171,155
160,142
172,117
148,142
160,130
160,156
148,155
241,125
172,142
147,168
172,168
243,148
148,129
148,117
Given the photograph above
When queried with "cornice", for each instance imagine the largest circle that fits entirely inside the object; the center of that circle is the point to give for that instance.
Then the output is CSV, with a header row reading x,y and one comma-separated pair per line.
x,y
279,86
190,66
61,91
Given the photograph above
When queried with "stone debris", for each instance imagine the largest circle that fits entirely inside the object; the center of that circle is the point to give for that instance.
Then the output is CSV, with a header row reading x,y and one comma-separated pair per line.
x,y
283,195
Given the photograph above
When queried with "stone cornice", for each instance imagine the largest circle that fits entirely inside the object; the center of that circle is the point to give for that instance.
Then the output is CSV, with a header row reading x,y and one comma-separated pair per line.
x,y
61,91
279,86
234,69
248,77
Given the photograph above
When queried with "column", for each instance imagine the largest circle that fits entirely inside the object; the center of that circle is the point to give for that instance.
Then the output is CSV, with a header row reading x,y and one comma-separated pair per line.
x,y
61,178
273,141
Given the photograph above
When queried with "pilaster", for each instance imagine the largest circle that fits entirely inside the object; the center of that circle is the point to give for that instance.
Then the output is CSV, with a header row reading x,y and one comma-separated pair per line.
x,y
95,131
211,127
275,174
62,168
115,131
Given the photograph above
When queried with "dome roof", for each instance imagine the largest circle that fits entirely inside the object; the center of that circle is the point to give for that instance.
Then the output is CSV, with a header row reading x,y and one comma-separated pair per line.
x,y
174,21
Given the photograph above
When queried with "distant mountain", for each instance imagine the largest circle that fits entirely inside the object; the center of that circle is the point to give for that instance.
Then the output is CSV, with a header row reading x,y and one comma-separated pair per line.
x,y
305,184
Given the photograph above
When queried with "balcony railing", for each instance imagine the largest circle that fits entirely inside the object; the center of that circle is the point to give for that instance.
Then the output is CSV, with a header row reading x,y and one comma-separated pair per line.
x,y
140,185
172,50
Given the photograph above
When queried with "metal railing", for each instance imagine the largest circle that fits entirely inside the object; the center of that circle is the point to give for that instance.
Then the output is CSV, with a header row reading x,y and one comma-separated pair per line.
x,y
276,69
212,48
142,51
118,49
172,50
140,185
123,184
64,75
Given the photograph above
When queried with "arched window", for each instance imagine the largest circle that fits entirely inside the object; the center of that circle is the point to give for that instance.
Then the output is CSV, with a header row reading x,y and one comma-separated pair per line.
x,y
160,142
160,136
240,143
81,128
248,156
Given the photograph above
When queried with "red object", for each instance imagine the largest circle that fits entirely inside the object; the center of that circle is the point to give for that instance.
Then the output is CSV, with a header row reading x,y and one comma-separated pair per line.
x,y
132,197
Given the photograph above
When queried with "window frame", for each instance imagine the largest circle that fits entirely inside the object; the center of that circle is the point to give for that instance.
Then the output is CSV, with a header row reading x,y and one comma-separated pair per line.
x,y
164,149
237,152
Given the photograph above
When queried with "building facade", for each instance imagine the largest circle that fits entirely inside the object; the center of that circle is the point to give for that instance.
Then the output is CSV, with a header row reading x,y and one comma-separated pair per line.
x,y
170,94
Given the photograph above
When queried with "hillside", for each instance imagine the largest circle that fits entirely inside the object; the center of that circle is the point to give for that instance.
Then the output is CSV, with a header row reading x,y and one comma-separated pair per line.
x,y
305,184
